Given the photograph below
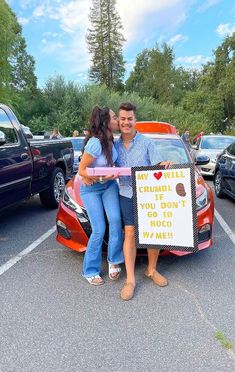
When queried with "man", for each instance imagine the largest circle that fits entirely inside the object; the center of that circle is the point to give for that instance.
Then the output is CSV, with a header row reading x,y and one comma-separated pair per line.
x,y
55,134
134,149
185,138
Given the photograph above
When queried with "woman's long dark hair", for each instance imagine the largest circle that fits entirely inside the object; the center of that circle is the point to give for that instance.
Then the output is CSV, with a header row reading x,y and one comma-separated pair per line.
x,y
98,127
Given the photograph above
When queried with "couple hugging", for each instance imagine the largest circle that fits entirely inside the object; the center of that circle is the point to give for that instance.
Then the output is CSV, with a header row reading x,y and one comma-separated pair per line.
x,y
101,194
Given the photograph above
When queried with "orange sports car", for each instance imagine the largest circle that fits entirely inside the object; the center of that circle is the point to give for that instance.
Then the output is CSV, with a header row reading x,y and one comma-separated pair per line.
x,y
73,226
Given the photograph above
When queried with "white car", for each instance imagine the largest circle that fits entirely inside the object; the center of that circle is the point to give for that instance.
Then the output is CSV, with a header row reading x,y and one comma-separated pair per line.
x,y
211,146
77,143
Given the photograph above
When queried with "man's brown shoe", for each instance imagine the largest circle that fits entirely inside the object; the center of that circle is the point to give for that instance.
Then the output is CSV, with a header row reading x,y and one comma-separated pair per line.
x,y
157,278
127,291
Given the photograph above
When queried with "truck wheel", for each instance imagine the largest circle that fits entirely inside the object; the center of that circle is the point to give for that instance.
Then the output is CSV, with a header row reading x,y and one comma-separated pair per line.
x,y
218,185
51,196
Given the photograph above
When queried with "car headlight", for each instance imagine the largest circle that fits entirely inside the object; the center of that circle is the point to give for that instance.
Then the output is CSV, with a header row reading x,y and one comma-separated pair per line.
x,y
70,203
202,200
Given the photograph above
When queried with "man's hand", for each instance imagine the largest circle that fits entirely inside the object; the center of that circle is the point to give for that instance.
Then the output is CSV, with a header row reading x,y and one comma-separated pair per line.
x,y
167,163
110,177
89,181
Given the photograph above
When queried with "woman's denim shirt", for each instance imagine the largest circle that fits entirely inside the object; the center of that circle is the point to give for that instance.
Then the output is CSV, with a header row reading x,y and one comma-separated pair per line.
x,y
94,148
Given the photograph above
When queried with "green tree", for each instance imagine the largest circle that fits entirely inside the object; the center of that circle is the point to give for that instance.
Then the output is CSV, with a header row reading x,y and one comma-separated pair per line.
x,y
154,74
59,105
7,24
214,95
16,65
22,65
137,79
105,43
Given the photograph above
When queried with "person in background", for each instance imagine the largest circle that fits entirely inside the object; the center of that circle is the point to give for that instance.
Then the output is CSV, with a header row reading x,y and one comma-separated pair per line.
x,y
101,195
134,150
75,133
85,132
55,134
198,136
185,138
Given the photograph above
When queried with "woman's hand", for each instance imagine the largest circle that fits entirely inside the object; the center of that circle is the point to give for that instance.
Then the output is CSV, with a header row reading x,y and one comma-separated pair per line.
x,y
167,163
88,181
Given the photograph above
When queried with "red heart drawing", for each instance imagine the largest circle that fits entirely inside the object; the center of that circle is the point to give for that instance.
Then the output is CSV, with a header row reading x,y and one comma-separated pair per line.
x,y
157,175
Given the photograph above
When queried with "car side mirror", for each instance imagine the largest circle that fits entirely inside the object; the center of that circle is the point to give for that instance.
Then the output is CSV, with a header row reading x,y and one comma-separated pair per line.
x,y
202,160
194,147
2,138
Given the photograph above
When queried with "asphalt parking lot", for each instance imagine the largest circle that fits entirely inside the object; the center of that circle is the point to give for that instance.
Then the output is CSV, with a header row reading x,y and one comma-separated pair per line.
x,y
53,320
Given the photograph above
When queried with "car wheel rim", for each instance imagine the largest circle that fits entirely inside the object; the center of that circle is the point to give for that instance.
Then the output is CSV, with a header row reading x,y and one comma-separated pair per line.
x,y
218,183
59,185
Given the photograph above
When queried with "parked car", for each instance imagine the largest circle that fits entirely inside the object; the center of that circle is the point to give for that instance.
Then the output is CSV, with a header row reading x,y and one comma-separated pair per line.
x,y
27,132
77,143
29,167
41,135
73,226
212,146
224,179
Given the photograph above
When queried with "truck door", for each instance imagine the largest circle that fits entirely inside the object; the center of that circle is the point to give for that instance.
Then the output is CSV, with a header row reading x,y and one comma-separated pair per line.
x,y
15,162
230,166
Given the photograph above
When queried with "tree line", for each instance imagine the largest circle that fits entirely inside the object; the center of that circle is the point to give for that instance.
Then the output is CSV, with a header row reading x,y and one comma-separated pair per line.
x,y
199,99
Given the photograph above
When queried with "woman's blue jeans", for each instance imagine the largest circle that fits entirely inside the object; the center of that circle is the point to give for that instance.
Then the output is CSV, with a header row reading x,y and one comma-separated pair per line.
x,y
98,198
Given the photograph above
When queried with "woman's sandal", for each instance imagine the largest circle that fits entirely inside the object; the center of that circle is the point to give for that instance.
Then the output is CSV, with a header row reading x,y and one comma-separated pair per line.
x,y
95,280
114,272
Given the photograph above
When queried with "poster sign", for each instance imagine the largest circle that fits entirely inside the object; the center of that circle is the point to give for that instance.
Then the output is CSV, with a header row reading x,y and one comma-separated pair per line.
x,y
165,207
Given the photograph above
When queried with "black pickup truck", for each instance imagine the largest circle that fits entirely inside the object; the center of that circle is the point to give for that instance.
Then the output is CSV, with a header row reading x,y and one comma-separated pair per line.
x,y
30,167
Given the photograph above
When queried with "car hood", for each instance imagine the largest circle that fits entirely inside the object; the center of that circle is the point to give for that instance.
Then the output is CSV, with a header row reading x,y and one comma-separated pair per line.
x,y
210,152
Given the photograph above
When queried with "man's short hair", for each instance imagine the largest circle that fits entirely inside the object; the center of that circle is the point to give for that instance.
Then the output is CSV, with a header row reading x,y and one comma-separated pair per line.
x,y
127,106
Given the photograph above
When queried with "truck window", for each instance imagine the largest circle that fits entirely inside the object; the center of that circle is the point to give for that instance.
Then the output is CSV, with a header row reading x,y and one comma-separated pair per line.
x,y
7,128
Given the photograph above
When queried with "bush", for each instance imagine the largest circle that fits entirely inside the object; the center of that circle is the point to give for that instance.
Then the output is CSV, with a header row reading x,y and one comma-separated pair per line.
x,y
68,106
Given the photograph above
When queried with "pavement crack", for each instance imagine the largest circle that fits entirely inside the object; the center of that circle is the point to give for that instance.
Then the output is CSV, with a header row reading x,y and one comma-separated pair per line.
x,y
203,316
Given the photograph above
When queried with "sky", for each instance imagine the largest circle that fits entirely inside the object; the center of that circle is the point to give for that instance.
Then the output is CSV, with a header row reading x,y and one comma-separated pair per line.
x,y
55,32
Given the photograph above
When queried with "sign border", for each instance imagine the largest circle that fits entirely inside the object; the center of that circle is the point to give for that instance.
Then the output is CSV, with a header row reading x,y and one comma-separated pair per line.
x,y
194,211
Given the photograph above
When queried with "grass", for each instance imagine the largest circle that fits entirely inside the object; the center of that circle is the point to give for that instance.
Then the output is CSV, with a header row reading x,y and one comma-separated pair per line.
x,y
219,336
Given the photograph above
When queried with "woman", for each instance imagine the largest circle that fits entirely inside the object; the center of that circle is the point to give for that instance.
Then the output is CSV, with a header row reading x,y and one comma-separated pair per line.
x,y
102,195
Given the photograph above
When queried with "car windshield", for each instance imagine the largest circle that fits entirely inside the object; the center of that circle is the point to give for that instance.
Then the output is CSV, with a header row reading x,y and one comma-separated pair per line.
x,y
219,142
172,149
77,143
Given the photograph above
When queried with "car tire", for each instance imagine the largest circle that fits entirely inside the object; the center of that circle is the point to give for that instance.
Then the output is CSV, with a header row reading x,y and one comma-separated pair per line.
x,y
50,197
219,185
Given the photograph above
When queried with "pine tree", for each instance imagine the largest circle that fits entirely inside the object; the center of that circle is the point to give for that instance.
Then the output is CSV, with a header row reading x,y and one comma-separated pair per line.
x,y
105,42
